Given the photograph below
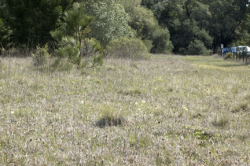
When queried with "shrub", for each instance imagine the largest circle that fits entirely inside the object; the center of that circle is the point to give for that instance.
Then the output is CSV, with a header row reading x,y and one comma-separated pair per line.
x,y
70,52
147,28
228,56
127,48
148,44
197,47
41,56
161,41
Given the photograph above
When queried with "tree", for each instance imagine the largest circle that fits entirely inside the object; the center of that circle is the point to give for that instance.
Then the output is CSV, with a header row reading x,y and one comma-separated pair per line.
x,y
146,27
3,34
228,23
74,26
72,34
186,21
31,21
110,21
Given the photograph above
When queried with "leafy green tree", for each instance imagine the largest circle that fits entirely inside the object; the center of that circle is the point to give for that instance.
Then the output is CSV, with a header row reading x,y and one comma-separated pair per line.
x,y
229,21
226,21
110,20
129,4
31,21
146,27
186,21
161,41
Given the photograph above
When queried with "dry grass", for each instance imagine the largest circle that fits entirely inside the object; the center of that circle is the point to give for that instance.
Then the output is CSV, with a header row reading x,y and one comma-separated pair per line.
x,y
169,110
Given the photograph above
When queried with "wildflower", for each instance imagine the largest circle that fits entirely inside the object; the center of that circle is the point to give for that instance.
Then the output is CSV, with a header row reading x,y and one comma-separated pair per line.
x,y
12,112
185,108
143,101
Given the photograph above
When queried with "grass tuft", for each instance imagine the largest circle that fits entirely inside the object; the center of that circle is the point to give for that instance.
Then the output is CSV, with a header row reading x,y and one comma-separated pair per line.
x,y
110,120
220,121
242,106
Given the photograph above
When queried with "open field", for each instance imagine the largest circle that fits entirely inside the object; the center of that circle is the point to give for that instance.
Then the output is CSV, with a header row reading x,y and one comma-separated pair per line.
x,y
169,110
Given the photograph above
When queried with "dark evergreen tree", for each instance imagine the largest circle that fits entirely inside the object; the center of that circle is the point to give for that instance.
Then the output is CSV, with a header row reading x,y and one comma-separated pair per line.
x,y
31,21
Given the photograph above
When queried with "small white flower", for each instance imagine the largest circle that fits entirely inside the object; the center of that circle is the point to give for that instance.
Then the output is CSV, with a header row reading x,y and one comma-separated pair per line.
x,y
136,103
185,108
82,102
12,112
143,101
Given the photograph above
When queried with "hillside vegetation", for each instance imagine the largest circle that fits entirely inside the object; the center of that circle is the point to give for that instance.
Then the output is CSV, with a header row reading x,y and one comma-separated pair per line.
x,y
170,110
187,27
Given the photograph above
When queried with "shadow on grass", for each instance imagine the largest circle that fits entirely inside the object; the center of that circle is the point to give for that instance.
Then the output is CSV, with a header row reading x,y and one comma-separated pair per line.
x,y
110,121
232,65
217,61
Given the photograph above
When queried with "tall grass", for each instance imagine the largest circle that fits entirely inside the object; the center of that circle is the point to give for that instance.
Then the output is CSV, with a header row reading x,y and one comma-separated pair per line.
x,y
169,110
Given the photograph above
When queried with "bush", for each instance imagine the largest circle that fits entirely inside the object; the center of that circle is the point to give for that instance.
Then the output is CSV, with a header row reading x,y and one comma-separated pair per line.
x,y
70,52
197,47
148,44
228,56
127,48
41,56
161,41
62,64
146,27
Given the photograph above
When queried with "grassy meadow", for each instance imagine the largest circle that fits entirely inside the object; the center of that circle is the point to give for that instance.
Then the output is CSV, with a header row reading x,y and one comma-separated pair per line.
x,y
169,110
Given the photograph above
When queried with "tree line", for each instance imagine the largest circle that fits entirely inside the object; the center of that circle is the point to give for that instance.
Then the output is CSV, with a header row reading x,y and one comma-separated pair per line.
x,y
180,26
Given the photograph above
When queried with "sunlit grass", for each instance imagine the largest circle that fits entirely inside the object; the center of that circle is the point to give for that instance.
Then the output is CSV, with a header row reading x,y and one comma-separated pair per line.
x,y
169,110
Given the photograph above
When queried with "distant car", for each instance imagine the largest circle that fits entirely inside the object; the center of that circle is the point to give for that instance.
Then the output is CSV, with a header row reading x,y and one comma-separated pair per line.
x,y
242,52
239,50
226,50
233,50
247,49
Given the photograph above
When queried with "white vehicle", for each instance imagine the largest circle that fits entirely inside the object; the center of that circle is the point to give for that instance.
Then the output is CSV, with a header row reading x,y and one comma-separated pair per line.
x,y
233,50
247,50
239,50
242,52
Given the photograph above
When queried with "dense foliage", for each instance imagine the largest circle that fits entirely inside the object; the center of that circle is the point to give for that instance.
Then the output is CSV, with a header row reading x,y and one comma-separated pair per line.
x,y
208,23
182,26
30,22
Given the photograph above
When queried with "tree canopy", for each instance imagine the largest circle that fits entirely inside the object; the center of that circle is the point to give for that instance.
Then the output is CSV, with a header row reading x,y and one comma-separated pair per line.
x,y
210,22
31,21
181,26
